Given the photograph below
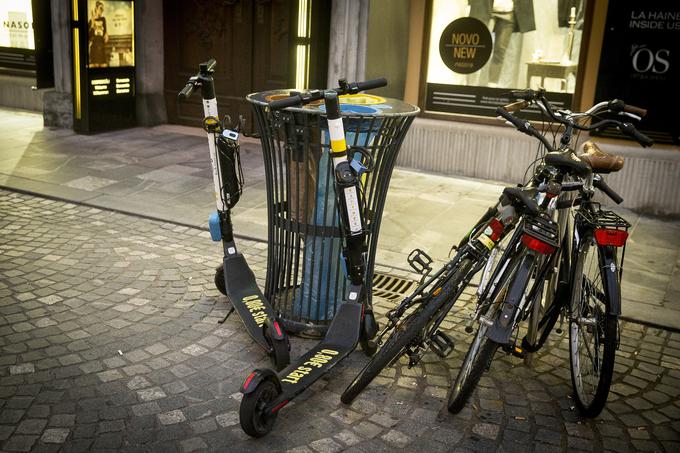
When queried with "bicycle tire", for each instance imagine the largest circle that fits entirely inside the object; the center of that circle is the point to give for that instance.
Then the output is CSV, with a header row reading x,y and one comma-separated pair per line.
x,y
482,349
477,359
403,335
606,324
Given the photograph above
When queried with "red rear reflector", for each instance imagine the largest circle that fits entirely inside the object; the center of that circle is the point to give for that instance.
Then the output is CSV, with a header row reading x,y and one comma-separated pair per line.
x,y
617,238
279,406
496,229
278,329
247,381
538,245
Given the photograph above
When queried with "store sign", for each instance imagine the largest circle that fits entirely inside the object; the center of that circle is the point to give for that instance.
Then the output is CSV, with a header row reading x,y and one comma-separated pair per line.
x,y
16,26
639,63
465,45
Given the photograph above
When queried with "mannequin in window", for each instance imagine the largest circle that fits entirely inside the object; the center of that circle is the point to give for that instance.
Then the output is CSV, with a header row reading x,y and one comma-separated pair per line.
x,y
503,17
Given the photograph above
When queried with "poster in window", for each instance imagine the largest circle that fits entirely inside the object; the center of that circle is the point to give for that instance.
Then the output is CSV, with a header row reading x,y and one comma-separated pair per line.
x,y
16,31
481,49
110,33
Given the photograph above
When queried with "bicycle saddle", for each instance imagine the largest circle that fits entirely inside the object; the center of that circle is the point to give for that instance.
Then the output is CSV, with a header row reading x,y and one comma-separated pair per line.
x,y
600,161
569,161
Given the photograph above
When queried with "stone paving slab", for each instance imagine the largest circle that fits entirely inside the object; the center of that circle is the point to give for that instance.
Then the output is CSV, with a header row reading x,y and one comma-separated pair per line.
x,y
164,172
109,340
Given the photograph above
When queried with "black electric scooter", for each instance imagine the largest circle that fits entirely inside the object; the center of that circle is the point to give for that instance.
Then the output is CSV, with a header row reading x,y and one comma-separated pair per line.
x,y
234,277
266,392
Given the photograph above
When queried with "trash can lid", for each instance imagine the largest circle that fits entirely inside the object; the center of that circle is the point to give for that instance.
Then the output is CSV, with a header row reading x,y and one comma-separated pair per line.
x,y
363,104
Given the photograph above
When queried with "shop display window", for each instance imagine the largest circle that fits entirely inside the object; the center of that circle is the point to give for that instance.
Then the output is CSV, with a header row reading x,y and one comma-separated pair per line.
x,y
480,49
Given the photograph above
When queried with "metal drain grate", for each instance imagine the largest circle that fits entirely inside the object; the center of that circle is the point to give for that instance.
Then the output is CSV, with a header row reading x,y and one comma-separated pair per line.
x,y
391,288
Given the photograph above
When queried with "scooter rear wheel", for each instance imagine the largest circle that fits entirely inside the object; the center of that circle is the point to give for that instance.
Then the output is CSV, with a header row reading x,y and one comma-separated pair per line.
x,y
254,421
280,349
219,279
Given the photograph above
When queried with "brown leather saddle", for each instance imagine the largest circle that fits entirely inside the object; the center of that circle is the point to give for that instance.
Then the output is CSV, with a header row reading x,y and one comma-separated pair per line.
x,y
600,161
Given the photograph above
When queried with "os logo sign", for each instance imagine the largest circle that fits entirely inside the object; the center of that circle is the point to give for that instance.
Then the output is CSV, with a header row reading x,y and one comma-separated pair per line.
x,y
645,59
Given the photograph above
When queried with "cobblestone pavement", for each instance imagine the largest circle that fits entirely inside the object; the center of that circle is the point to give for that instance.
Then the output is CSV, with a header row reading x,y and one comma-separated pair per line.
x,y
109,341
164,172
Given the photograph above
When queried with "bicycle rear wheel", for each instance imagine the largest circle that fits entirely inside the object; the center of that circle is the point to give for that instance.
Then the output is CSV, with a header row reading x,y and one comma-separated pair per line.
x,y
406,333
592,330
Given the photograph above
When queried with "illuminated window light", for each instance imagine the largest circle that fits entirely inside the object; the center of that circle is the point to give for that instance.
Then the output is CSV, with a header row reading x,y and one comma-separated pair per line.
x,y
302,51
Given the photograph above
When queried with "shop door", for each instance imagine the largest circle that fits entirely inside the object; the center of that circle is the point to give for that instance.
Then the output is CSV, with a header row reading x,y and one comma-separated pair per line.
x,y
250,39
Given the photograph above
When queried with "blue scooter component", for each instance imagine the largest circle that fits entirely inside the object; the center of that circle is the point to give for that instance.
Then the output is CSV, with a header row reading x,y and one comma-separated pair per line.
x,y
214,226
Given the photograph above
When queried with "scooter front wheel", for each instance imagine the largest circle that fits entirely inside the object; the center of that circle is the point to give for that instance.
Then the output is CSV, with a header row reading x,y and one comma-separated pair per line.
x,y
219,279
254,421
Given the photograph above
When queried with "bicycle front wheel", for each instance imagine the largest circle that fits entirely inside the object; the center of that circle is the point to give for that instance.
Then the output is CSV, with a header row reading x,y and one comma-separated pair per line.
x,y
592,330
406,333
477,360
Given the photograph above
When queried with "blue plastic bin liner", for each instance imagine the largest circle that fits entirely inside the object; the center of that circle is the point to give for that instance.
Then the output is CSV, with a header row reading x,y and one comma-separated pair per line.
x,y
321,295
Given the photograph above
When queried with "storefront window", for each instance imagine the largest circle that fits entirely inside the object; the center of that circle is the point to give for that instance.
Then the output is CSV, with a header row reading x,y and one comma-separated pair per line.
x,y
17,43
479,49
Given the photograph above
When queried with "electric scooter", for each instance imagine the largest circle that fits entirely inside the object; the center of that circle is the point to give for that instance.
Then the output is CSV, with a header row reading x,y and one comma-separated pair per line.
x,y
265,392
234,277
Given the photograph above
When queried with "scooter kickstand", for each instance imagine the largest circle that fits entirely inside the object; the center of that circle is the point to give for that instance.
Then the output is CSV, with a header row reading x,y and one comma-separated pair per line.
x,y
228,314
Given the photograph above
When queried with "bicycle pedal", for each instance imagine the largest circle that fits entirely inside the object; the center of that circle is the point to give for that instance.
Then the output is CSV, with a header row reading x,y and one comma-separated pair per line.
x,y
441,344
515,350
419,261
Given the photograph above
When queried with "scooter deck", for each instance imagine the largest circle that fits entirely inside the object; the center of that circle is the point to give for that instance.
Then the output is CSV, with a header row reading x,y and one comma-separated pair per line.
x,y
341,339
246,297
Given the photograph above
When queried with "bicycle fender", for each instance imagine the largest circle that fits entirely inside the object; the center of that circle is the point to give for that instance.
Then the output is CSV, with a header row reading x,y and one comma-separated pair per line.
x,y
256,377
501,329
612,287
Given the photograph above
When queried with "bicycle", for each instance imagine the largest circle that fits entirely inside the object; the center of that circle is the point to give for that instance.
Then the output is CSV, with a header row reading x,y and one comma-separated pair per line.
x,y
413,326
575,259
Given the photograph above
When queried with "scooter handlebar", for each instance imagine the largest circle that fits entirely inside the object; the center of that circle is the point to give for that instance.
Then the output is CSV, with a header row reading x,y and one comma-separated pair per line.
x,y
315,95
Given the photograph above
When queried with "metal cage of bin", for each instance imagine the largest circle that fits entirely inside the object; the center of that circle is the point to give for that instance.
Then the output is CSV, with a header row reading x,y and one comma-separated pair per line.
x,y
305,281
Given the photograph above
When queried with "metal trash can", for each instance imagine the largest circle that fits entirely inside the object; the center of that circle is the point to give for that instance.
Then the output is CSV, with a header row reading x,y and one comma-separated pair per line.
x,y
305,281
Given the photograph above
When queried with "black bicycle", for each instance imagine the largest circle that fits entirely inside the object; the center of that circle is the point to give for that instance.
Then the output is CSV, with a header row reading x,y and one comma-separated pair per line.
x,y
556,266
413,326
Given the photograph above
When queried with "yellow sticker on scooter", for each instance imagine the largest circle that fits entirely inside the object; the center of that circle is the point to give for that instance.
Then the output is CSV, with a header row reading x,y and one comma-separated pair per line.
x,y
486,240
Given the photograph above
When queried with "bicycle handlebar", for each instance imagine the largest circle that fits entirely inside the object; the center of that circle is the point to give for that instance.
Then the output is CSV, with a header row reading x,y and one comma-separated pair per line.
x,y
532,96
600,184
631,131
315,95
517,106
524,126
617,105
